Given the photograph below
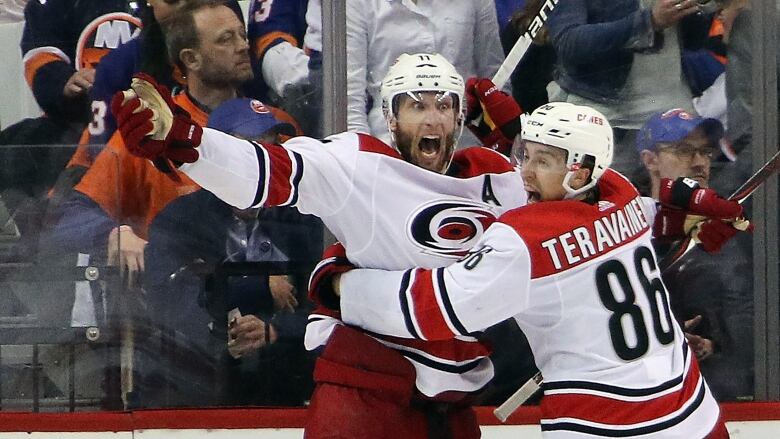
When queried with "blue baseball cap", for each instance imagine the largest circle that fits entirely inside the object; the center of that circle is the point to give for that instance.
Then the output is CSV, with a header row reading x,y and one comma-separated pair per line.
x,y
674,125
249,119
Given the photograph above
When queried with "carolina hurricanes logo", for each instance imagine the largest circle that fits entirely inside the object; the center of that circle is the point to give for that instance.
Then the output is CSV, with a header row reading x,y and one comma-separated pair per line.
x,y
448,228
103,34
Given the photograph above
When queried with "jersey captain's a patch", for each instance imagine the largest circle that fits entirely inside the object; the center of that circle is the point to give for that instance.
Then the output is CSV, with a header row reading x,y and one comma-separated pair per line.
x,y
446,228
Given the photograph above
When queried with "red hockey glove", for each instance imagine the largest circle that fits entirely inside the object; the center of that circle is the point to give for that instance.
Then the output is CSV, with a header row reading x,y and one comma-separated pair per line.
x,y
672,224
153,126
713,234
334,261
500,121
685,193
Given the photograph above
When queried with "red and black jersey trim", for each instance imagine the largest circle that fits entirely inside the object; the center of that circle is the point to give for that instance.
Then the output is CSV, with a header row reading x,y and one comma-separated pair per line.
x,y
606,432
279,174
445,300
624,412
444,367
429,360
405,309
296,179
621,391
261,178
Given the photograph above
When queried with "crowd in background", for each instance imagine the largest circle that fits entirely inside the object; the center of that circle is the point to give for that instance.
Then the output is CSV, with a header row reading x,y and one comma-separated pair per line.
x,y
216,296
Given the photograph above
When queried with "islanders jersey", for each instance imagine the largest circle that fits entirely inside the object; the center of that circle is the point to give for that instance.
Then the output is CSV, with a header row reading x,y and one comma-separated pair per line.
x,y
62,36
583,284
271,22
387,212
130,189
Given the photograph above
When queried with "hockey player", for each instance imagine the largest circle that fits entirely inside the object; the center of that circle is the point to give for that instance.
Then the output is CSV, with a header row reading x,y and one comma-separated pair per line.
x,y
384,386
577,271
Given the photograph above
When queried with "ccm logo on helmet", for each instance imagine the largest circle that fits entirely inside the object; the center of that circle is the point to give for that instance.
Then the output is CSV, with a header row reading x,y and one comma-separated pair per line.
x,y
448,228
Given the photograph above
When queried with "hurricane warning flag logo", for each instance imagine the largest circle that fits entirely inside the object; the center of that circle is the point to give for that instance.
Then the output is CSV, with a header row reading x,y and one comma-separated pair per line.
x,y
449,228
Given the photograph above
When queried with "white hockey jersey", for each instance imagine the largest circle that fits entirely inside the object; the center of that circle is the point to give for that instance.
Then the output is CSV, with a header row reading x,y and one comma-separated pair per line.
x,y
388,214
583,284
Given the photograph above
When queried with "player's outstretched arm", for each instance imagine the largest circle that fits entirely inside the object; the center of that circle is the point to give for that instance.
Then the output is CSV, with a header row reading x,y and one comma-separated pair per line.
x,y
240,172
487,286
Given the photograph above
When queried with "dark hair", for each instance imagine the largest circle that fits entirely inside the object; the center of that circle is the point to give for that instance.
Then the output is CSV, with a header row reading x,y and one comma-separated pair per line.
x,y
180,30
155,55
522,18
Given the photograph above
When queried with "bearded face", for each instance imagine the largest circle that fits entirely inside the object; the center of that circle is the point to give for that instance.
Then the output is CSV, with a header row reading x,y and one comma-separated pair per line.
x,y
424,129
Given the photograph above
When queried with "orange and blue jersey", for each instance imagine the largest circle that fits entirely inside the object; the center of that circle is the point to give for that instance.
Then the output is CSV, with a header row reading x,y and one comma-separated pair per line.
x,y
62,36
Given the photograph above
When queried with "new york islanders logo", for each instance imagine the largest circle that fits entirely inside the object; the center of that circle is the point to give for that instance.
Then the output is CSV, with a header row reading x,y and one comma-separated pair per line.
x,y
103,34
448,228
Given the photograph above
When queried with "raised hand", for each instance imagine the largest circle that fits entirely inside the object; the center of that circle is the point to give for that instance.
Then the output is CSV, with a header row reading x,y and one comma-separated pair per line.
x,y
500,121
153,126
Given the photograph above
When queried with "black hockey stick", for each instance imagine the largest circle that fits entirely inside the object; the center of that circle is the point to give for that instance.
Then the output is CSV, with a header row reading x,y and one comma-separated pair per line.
x,y
740,195
520,48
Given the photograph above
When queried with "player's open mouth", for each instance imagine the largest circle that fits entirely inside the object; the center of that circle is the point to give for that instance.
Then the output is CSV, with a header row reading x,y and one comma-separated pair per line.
x,y
430,145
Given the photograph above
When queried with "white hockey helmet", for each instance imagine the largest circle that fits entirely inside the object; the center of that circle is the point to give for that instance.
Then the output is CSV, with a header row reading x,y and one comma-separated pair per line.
x,y
580,130
421,72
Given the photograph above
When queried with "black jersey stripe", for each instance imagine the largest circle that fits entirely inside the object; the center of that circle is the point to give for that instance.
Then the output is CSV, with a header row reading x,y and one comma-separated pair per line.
x,y
261,186
444,367
407,313
445,299
296,179
623,391
648,429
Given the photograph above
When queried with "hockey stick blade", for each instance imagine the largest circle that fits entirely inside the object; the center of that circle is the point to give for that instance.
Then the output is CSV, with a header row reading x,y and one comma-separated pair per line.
x,y
517,399
740,195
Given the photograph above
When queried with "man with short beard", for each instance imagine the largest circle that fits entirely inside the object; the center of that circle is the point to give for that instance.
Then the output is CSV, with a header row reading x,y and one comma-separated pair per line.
x,y
369,386
206,39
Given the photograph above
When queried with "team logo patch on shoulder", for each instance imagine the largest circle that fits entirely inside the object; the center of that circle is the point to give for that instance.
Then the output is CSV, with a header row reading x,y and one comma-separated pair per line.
x,y
605,205
448,228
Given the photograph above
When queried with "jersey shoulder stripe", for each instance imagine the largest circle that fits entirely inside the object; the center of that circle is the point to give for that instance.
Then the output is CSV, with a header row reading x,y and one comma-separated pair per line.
x,y
423,296
369,143
281,171
476,161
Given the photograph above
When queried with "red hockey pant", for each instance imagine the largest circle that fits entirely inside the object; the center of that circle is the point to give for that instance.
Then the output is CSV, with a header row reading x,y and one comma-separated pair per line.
x,y
366,390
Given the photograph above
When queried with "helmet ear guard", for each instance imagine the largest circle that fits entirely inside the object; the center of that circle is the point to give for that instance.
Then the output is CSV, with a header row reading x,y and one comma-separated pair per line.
x,y
584,133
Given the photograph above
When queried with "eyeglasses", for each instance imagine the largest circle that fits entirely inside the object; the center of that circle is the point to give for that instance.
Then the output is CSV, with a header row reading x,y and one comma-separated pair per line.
x,y
686,151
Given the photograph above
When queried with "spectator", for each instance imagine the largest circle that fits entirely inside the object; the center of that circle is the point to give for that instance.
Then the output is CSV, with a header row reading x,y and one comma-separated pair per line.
x,y
739,95
535,70
712,291
286,53
147,53
505,9
62,43
465,32
208,42
269,364
622,57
